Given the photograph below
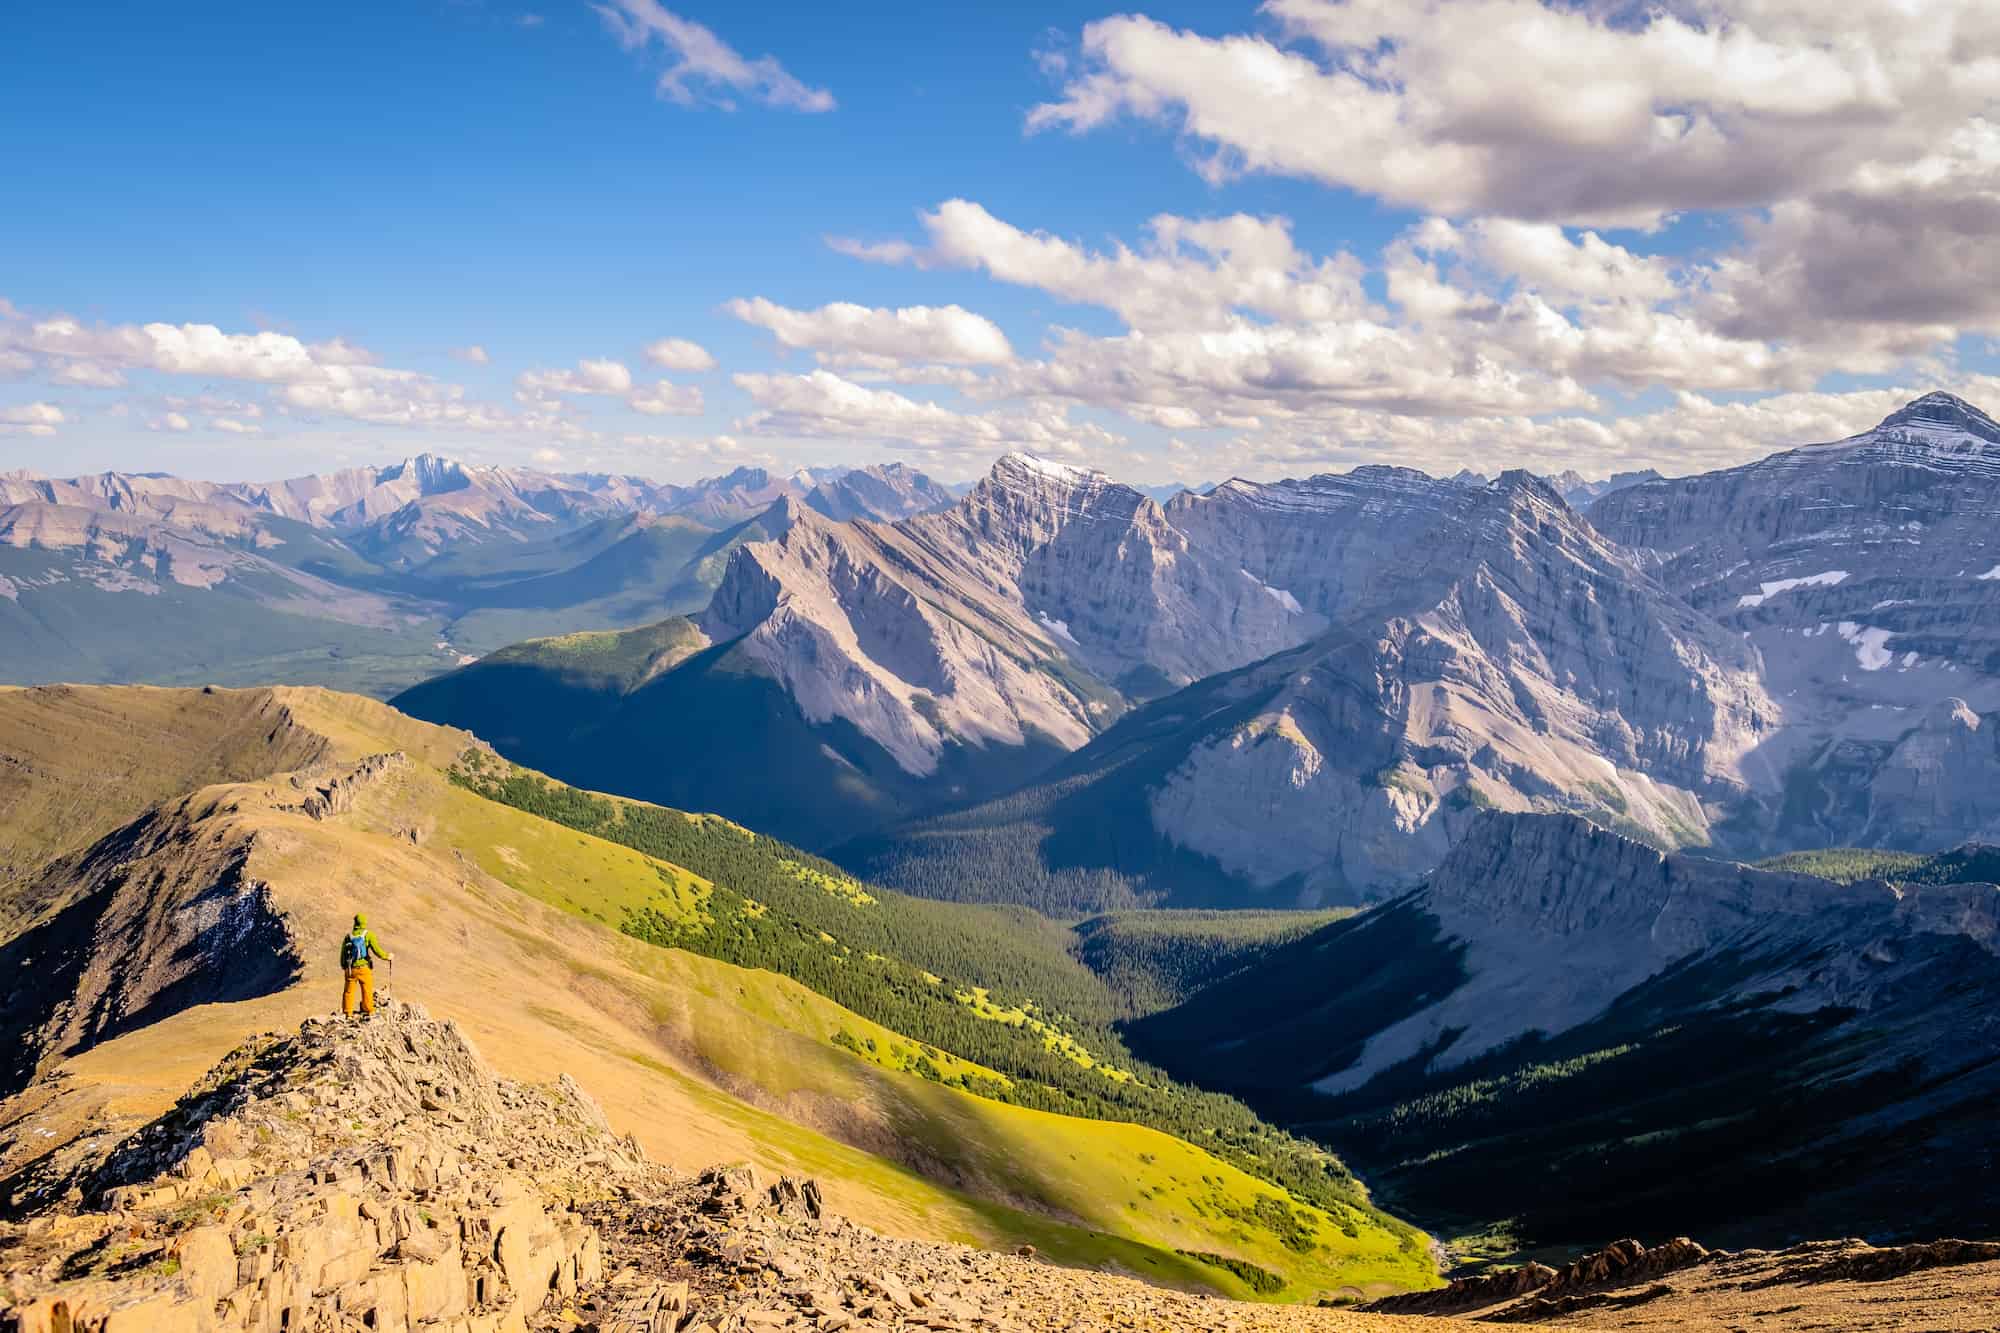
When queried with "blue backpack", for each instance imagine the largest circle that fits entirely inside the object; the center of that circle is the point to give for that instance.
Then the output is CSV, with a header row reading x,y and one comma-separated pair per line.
x,y
354,950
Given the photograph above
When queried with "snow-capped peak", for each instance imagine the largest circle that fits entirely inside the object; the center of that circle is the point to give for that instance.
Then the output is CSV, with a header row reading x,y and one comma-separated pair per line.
x,y
1048,467
1941,413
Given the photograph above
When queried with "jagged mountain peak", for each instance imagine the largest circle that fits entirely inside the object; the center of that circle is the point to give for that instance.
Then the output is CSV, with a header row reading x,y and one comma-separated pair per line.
x,y
431,472
1057,492
748,476
1939,411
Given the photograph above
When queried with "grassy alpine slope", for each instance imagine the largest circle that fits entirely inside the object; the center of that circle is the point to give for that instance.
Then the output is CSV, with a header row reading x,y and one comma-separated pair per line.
x,y
505,921
985,984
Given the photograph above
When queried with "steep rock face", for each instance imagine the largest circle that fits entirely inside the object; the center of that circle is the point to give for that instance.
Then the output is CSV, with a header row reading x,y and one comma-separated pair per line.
x,y
995,617
1468,646
1103,570
1866,573
821,609
1558,918
152,922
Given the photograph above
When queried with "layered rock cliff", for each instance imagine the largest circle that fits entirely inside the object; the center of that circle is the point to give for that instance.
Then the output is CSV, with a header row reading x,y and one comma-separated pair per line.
x,y
1866,574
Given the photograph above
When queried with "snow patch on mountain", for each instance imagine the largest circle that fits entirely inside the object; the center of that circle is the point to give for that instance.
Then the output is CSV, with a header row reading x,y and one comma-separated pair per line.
x,y
1870,644
1278,595
1059,628
1829,579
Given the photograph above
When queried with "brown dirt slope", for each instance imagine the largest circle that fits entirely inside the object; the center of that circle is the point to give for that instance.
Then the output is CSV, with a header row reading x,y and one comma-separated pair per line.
x,y
78,761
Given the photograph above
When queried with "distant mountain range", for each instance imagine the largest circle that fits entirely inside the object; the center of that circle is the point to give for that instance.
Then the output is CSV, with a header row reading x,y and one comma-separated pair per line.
x,y
1058,690
370,577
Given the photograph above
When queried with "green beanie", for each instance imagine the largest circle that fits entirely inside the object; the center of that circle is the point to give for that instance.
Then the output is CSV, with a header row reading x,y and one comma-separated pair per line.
x,y
360,920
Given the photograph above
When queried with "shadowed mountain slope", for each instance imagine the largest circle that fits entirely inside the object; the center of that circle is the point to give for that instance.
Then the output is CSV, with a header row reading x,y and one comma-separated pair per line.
x,y
1563,1025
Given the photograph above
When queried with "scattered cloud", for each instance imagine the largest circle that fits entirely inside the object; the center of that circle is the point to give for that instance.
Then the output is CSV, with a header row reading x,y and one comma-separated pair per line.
x,y
679,354
232,426
86,374
71,348
704,69
822,404
1186,272
589,377
874,252
474,354
850,334
31,419
667,400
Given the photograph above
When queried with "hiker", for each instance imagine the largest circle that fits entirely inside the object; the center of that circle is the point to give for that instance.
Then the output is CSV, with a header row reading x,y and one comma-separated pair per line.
x,y
356,951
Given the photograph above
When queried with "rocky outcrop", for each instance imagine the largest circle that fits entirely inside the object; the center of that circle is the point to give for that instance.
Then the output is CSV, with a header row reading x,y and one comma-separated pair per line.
x,y
1858,1261
1468,1293
372,1175
333,794
1551,1291
377,1175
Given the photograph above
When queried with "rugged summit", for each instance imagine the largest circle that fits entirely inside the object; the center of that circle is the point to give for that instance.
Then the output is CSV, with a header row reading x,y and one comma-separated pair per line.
x,y
1866,575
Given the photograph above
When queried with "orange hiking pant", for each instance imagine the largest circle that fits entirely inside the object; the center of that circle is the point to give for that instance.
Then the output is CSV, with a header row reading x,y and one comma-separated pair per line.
x,y
360,987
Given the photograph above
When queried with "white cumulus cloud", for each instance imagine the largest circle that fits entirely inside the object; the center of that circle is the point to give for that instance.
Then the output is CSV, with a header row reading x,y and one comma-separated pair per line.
x,y
589,377
845,332
667,400
679,354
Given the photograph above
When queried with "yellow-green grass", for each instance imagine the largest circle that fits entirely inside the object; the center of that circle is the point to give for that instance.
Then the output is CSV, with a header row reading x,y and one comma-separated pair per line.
x,y
840,886
560,866
1083,1191
772,1041
980,1001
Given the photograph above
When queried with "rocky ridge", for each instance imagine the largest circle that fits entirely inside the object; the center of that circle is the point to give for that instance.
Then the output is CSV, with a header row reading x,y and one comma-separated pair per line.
x,y
377,1175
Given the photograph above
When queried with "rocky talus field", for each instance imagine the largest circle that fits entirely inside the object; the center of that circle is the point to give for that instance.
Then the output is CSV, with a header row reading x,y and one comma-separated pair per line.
x,y
378,1175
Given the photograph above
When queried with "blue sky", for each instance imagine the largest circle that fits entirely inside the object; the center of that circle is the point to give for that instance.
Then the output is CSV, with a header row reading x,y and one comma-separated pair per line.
x,y
1494,280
